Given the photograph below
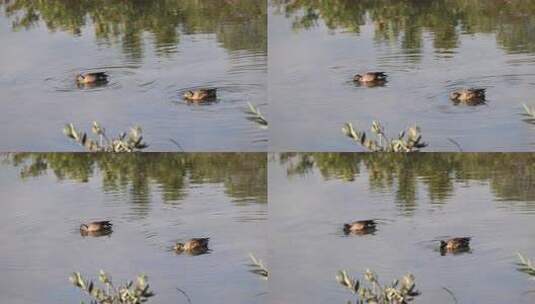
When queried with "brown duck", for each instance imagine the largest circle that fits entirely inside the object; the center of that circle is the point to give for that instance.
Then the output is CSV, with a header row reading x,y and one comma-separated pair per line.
x,y
472,96
99,228
455,245
370,78
201,95
360,227
92,78
193,246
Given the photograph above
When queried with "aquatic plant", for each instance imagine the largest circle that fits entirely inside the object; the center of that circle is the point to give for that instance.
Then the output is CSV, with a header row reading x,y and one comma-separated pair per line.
x,y
130,293
530,113
400,291
258,267
525,265
407,141
255,115
131,142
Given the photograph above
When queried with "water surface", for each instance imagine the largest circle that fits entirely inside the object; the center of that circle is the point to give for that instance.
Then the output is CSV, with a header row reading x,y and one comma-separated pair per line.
x,y
153,200
428,49
153,51
417,200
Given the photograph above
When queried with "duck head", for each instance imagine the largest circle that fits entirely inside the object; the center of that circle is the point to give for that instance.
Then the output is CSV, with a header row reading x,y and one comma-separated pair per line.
x,y
179,247
455,95
80,78
357,77
189,95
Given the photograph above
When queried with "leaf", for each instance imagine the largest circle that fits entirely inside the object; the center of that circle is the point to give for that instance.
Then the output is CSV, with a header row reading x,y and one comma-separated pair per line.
x,y
256,115
530,111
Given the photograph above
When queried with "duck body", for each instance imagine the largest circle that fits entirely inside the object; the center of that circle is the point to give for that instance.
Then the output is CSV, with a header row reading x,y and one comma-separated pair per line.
x,y
193,246
360,227
455,245
201,95
99,226
469,96
92,78
370,78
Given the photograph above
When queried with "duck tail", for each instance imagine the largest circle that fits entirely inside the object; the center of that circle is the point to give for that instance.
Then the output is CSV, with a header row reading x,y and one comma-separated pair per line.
x,y
381,75
101,75
203,240
106,224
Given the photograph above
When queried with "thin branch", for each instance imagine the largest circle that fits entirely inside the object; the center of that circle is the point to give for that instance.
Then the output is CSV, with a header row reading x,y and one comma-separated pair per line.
x,y
451,294
451,140
177,144
185,294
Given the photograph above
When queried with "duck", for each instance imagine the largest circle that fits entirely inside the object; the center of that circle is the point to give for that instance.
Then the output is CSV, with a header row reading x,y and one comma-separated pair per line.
x,y
370,78
96,234
455,245
92,78
193,246
360,227
472,96
96,228
201,95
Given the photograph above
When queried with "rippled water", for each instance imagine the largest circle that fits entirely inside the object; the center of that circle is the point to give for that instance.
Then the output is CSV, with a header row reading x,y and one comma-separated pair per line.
x,y
417,201
428,49
153,201
153,52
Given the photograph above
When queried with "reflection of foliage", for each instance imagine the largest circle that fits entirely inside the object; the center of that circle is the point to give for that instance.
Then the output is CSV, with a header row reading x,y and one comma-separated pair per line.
x,y
130,293
238,24
406,21
407,141
243,175
131,142
510,175
399,292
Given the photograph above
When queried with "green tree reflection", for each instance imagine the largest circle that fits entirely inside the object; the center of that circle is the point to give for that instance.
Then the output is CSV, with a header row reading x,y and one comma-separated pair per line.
x,y
244,176
238,24
405,21
511,176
